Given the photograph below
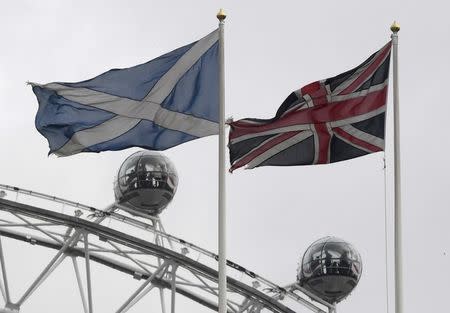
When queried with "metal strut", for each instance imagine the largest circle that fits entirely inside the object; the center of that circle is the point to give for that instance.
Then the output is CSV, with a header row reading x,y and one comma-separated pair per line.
x,y
80,284
129,301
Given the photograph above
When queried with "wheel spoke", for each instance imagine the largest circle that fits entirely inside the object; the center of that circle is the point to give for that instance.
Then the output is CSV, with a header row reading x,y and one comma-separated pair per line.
x,y
80,284
57,259
141,288
173,284
88,271
37,228
163,300
129,257
4,285
164,264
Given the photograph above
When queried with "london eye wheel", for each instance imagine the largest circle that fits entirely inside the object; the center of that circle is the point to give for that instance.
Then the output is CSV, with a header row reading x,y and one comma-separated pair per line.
x,y
129,239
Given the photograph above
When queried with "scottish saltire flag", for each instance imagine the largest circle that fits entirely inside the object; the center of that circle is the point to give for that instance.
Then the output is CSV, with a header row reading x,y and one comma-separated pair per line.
x,y
330,120
156,105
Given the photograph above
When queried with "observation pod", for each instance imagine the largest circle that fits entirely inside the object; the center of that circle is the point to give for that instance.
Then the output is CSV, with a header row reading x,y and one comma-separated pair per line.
x,y
330,269
146,182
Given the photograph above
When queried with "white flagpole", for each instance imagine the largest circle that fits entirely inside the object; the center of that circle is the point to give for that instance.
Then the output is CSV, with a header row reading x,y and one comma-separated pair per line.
x,y
222,216
397,179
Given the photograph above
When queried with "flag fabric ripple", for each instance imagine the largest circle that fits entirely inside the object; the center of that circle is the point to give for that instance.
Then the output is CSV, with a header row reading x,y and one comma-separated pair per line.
x,y
327,121
156,105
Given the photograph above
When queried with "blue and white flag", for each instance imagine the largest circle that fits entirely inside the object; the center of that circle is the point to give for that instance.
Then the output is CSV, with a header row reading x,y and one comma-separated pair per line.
x,y
156,105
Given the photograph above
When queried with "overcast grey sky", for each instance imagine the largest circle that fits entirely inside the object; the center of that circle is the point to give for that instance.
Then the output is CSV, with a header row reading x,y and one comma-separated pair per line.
x,y
272,48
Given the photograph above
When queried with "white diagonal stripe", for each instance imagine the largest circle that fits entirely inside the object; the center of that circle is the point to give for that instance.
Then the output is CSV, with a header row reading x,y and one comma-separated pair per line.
x,y
355,132
278,148
358,118
185,123
132,110
257,147
352,144
355,75
104,101
338,123
271,132
298,107
125,107
166,83
108,130
361,93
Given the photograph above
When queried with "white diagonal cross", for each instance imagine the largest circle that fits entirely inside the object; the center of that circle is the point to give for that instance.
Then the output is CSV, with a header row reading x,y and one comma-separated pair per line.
x,y
131,112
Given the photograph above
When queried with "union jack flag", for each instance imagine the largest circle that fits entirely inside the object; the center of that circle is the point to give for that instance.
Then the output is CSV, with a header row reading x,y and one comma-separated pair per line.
x,y
327,121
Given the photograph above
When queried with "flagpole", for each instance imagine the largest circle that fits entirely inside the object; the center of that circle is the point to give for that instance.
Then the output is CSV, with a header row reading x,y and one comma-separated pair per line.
x,y
397,178
222,216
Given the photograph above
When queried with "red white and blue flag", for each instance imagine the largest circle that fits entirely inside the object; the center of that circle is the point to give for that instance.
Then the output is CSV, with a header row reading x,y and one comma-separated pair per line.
x,y
327,121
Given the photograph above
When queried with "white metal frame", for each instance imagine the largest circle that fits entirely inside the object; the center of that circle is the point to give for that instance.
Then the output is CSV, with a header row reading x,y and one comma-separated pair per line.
x,y
159,272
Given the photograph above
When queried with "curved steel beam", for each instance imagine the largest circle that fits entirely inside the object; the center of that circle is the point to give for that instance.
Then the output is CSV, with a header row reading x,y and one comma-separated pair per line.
x,y
143,246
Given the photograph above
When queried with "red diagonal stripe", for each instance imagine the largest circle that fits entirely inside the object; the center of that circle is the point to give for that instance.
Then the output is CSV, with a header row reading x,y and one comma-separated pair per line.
x,y
324,113
356,141
249,157
368,71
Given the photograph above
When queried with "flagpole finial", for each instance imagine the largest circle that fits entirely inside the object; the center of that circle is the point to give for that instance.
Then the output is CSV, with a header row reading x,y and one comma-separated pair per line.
x,y
221,15
395,27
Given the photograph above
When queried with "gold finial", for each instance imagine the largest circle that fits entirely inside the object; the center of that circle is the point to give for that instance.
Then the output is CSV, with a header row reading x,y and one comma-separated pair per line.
x,y
221,15
395,27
